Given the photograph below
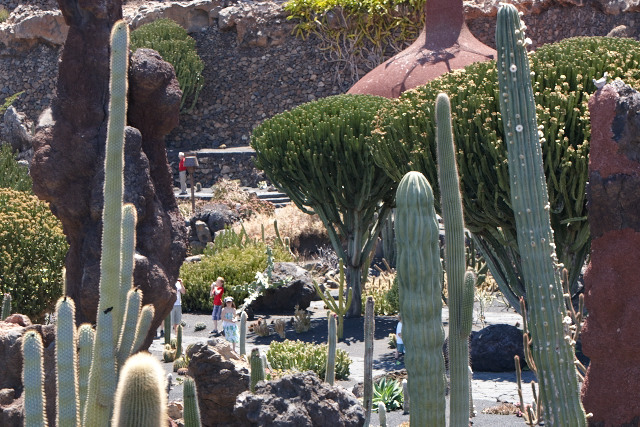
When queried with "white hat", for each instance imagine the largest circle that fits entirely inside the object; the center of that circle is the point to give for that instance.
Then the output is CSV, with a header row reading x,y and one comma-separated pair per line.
x,y
227,299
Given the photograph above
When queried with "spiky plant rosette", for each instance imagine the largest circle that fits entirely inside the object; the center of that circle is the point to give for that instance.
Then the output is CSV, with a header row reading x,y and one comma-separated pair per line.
x,y
404,140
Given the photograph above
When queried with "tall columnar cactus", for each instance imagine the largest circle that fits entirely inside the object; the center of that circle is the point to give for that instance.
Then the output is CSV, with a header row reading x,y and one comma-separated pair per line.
x,y
257,368
167,329
369,330
551,349
140,397
243,333
142,327
460,291
179,341
389,240
6,306
86,336
330,373
419,274
191,408
33,380
127,336
67,407
341,306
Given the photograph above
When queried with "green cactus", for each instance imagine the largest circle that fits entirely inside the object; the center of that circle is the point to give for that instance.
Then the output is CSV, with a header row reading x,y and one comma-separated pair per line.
x,y
191,409
243,333
179,341
180,362
167,329
128,247
405,397
419,273
389,240
141,399
257,368
142,327
33,380
127,335
330,373
382,414
6,306
67,405
341,307
552,352
369,330
460,291
86,336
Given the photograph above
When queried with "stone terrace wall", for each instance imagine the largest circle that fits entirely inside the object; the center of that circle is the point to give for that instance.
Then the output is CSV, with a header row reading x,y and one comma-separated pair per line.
x,y
254,67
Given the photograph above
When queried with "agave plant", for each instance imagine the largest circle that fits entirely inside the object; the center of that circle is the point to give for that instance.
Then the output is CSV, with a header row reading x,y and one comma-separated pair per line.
x,y
388,392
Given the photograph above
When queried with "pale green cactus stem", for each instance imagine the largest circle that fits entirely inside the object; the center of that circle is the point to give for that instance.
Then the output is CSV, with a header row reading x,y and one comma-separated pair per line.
x,y
460,291
382,414
369,330
167,329
127,335
33,380
419,273
243,333
179,341
6,306
405,395
551,350
127,264
142,328
102,379
341,306
330,373
67,407
191,408
389,240
141,399
86,336
257,369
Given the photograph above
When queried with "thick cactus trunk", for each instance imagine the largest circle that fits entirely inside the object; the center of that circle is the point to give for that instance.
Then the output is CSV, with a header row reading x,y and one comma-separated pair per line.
x,y
369,329
552,352
419,275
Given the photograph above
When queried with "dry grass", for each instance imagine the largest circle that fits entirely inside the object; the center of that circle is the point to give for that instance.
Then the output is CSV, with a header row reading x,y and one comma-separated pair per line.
x,y
503,408
293,224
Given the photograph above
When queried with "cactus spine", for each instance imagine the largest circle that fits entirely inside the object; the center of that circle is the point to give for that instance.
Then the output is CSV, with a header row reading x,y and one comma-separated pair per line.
x,y
243,333
369,329
140,398
551,350
460,291
67,410
419,275
257,368
191,408
330,374
33,380
6,306
382,414
341,307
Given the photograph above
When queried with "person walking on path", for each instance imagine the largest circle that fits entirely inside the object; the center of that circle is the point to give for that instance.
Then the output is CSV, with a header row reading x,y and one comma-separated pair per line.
x,y
217,291
182,171
399,342
229,324
176,312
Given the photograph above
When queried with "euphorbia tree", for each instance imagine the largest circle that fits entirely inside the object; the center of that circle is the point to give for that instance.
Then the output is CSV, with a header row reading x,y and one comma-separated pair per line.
x,y
318,154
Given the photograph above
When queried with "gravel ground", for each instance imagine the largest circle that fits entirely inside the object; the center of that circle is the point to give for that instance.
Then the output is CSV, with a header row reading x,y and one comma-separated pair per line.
x,y
489,389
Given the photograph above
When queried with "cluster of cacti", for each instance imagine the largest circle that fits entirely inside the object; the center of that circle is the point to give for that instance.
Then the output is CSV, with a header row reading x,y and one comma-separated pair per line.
x,y
332,339
257,368
173,350
243,333
301,320
551,348
562,86
369,330
6,306
191,413
298,150
419,274
140,397
86,388
180,363
279,326
341,307
200,326
460,285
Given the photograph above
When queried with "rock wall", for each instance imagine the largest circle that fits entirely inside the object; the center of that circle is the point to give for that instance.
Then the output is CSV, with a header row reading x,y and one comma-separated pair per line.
x,y
254,66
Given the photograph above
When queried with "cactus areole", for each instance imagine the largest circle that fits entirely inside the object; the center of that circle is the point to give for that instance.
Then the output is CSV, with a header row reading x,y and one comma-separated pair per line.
x,y
552,352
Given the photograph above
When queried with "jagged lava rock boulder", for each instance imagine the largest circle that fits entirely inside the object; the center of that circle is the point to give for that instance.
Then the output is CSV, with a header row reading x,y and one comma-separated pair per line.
x,y
220,375
299,399
492,349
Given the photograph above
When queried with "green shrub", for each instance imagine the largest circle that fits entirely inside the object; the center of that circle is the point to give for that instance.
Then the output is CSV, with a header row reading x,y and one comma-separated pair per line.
x,y
9,99
32,253
176,47
4,14
302,356
384,291
12,174
388,392
405,139
238,265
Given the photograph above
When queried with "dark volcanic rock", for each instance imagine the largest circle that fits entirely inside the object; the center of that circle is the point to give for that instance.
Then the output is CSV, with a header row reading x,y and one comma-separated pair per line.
x,y
492,349
299,399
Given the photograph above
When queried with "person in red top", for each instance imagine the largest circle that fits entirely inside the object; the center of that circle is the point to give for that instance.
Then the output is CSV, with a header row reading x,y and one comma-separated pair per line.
x,y
217,291
182,170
